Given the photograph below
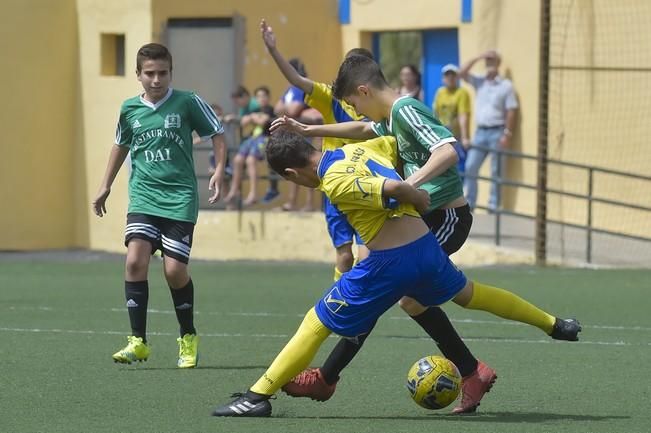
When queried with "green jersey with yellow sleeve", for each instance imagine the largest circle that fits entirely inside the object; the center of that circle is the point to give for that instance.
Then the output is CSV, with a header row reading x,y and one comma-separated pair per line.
x,y
333,111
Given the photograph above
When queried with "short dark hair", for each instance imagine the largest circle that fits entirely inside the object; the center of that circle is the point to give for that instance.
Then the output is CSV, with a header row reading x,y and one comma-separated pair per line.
x,y
299,66
355,71
152,52
264,89
414,70
240,92
288,149
360,52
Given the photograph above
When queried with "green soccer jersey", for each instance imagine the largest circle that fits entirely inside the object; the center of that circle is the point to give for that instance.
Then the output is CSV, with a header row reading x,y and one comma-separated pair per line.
x,y
159,136
418,133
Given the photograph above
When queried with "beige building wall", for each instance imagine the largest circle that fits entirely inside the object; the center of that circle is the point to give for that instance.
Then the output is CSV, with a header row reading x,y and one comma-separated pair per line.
x,y
101,97
222,235
309,30
600,99
39,70
63,110
510,26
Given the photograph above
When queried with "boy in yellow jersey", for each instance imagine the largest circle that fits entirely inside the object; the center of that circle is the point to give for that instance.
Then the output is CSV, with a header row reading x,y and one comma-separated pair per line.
x,y
319,96
450,225
405,259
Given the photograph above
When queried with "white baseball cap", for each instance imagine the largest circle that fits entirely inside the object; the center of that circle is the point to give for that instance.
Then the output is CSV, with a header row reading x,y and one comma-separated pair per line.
x,y
450,68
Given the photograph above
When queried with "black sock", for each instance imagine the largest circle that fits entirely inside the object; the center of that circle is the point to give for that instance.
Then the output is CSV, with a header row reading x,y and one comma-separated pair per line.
x,y
437,325
255,397
340,357
273,184
137,295
183,299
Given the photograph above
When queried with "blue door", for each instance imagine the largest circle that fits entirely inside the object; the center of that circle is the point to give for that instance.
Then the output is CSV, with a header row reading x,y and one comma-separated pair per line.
x,y
440,47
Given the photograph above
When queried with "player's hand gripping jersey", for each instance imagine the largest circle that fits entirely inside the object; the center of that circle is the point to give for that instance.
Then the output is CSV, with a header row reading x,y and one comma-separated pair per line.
x,y
353,178
418,133
333,111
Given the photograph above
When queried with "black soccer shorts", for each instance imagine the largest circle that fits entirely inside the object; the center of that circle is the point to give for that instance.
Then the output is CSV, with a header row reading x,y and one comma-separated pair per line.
x,y
450,226
172,237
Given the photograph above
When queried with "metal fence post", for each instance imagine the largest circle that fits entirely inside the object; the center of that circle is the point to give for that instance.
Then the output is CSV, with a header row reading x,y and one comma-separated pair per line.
x,y
543,129
498,196
589,223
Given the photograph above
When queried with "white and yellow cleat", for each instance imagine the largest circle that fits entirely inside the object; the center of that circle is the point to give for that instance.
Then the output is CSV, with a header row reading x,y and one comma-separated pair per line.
x,y
188,351
135,350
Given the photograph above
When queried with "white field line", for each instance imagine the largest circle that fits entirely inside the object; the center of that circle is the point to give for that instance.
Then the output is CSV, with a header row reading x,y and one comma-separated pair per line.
x,y
401,317
285,336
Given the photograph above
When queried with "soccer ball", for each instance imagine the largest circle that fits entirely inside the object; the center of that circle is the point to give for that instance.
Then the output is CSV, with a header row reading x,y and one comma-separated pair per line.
x,y
434,382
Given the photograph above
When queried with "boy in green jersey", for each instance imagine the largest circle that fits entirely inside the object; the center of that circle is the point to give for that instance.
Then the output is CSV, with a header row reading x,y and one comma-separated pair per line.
x,y
155,128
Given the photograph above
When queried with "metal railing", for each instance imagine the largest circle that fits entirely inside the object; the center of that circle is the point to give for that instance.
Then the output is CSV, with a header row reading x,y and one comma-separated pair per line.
x,y
589,197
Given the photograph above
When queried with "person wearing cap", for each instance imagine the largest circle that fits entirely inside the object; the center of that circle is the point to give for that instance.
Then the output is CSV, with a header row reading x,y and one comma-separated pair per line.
x,y
495,113
452,107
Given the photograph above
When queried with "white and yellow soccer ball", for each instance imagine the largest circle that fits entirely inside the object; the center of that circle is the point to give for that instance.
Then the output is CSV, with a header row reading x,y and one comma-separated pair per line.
x,y
434,382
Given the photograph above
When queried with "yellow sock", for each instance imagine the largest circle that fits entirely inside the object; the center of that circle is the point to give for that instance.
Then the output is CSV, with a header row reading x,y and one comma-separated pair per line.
x,y
509,306
295,356
338,274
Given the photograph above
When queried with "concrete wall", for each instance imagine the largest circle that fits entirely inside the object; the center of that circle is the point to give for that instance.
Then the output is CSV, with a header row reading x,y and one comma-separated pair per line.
x,y
101,97
224,235
39,185
62,112
299,26
600,98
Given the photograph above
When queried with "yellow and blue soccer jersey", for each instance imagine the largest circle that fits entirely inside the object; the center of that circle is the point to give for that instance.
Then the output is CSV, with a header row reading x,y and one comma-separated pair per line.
x,y
333,111
353,179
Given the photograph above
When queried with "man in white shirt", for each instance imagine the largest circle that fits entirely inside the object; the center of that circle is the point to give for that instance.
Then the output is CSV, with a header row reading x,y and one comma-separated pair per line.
x,y
495,113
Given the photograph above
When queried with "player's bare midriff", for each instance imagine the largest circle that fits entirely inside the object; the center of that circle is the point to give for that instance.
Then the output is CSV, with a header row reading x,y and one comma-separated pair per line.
x,y
397,232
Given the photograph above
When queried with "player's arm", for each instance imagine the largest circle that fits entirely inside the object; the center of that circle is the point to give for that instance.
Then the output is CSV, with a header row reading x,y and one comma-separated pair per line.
x,y
355,130
219,150
206,124
403,192
269,39
464,72
431,136
260,118
116,158
441,159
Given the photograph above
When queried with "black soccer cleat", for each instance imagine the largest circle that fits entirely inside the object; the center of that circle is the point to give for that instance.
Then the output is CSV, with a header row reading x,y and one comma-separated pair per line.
x,y
566,329
244,406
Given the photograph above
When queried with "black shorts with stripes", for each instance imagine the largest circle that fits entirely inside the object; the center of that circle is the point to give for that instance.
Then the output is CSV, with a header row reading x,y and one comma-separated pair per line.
x,y
450,226
172,237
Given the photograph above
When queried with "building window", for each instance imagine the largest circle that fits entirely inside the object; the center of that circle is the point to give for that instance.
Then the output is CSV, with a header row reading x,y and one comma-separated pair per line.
x,y
112,54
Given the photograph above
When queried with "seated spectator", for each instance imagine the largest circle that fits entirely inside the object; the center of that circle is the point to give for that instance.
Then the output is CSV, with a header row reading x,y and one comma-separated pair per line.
x,y
245,105
251,149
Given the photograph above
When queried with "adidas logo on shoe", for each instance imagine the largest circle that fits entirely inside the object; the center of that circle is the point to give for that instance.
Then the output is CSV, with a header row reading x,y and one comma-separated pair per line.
x,y
131,303
184,306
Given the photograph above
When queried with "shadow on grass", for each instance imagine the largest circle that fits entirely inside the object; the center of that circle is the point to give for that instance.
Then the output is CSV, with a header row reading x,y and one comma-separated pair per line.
x,y
202,367
498,417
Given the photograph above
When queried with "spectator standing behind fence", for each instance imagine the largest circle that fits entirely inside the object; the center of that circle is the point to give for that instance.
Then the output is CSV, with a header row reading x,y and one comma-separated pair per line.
x,y
251,149
452,107
495,113
410,82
